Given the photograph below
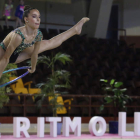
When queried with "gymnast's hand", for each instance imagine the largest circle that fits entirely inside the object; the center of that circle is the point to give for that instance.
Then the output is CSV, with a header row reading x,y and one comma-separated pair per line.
x,y
31,70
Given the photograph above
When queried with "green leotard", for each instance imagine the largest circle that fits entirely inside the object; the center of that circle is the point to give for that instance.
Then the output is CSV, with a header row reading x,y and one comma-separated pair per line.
x,y
23,45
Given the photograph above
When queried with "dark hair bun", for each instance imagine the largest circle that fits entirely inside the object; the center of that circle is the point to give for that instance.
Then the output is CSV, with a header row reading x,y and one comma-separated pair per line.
x,y
26,7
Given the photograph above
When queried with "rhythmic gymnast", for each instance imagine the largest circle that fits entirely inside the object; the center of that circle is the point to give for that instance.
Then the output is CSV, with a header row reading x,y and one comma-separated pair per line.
x,y
26,42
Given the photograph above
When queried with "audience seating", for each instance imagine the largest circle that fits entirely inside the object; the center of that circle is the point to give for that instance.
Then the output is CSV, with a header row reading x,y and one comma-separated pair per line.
x,y
93,59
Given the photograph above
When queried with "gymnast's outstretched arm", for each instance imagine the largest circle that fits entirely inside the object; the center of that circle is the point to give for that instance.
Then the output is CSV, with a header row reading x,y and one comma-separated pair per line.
x,y
34,57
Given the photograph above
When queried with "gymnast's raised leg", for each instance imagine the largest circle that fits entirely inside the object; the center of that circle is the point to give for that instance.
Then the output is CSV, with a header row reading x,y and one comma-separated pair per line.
x,y
59,39
56,41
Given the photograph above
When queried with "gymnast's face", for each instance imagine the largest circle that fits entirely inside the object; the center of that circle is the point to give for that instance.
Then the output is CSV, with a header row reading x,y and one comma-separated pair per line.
x,y
33,19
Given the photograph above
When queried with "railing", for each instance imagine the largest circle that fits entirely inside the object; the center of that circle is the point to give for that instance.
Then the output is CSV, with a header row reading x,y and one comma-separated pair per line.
x,y
90,105
119,29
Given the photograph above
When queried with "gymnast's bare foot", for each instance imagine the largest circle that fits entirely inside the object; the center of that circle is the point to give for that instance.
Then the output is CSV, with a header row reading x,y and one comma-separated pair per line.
x,y
78,26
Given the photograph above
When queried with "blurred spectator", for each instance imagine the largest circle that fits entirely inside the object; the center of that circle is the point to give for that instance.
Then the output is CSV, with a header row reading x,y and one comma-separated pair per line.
x,y
7,11
19,13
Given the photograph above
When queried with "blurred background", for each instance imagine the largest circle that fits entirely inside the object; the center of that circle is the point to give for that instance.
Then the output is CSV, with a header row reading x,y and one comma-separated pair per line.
x,y
108,48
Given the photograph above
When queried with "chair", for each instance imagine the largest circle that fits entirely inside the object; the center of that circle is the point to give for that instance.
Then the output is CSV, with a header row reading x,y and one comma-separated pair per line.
x,y
61,102
19,87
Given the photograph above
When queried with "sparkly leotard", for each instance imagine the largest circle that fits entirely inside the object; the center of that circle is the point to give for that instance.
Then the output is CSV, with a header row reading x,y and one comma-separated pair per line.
x,y
22,46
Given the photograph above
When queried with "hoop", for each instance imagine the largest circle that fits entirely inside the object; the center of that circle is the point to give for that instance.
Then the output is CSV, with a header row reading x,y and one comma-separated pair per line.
x,y
25,67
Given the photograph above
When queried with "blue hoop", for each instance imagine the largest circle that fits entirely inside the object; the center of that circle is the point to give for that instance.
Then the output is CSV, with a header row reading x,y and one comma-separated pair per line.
x,y
25,67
